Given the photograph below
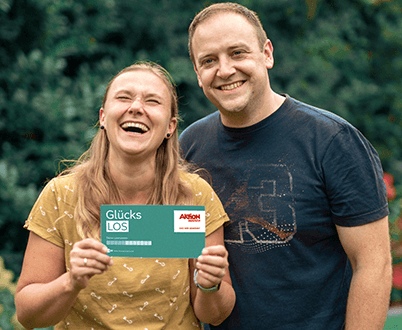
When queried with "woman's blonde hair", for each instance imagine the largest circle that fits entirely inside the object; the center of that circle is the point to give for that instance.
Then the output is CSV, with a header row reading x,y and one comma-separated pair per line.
x,y
95,186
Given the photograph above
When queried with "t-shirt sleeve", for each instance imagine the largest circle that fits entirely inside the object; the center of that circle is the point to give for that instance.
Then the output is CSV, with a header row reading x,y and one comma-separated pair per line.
x,y
354,179
183,142
45,214
215,215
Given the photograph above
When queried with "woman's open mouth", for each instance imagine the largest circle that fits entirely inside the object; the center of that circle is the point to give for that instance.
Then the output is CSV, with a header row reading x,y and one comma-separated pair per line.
x,y
134,127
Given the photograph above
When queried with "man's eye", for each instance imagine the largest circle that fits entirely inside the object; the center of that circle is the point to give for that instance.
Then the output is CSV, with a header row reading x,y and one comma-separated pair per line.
x,y
153,101
207,61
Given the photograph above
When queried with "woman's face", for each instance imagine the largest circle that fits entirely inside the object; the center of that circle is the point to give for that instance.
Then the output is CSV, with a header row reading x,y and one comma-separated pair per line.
x,y
137,114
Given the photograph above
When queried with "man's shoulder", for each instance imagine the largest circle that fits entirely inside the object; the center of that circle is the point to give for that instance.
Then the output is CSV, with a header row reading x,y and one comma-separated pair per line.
x,y
318,115
195,138
200,126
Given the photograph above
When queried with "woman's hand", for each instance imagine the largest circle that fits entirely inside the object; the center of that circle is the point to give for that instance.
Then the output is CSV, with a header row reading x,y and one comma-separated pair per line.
x,y
212,307
212,266
87,258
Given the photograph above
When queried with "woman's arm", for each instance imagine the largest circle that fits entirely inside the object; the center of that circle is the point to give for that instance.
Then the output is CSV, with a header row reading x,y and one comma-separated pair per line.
x,y
45,291
213,268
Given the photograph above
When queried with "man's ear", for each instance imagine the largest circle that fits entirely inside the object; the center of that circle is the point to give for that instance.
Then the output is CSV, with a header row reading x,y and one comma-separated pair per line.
x,y
268,54
198,76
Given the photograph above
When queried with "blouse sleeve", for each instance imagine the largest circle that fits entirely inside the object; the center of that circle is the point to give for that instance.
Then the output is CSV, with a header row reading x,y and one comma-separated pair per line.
x,y
47,211
215,215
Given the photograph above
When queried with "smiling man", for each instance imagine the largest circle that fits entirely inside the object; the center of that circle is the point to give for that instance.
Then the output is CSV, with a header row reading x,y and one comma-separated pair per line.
x,y
232,70
308,237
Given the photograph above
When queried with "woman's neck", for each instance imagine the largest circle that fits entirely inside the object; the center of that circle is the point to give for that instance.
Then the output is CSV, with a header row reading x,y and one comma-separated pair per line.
x,y
134,180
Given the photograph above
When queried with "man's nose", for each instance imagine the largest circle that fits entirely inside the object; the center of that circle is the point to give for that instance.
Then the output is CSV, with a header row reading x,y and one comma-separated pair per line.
x,y
226,68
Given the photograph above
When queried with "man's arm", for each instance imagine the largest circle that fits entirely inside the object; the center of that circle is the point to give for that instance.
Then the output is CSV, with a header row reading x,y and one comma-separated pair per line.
x,y
368,249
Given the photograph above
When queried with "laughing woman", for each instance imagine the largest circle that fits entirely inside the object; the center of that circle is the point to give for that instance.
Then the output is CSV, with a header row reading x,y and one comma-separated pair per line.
x,y
67,278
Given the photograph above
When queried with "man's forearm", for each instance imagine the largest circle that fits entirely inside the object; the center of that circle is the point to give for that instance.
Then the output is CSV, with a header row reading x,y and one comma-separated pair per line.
x,y
368,299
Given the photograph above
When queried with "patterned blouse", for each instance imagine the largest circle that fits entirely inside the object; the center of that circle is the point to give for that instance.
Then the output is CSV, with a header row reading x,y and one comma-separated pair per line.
x,y
135,293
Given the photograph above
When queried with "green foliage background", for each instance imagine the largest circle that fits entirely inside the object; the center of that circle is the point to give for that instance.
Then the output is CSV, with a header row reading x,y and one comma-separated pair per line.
x,y
56,57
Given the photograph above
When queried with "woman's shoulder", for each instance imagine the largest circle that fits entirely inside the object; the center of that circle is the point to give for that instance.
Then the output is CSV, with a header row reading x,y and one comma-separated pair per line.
x,y
63,180
195,181
192,178
187,176
60,187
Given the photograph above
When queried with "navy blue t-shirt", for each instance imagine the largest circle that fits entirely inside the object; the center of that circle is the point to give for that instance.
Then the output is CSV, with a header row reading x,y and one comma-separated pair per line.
x,y
285,183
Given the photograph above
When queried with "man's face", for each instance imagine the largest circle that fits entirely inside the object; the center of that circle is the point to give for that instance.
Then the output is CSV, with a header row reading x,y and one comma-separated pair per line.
x,y
230,65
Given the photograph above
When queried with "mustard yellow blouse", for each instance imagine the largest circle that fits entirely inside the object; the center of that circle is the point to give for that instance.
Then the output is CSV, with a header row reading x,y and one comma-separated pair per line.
x,y
135,293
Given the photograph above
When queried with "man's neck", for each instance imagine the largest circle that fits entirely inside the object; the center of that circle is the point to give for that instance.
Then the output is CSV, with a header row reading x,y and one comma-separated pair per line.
x,y
246,118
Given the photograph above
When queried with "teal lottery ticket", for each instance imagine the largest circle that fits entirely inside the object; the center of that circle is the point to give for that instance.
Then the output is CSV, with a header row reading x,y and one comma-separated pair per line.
x,y
153,231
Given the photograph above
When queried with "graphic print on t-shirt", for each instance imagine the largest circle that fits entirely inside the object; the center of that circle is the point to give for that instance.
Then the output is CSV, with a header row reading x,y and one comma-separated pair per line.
x,y
261,209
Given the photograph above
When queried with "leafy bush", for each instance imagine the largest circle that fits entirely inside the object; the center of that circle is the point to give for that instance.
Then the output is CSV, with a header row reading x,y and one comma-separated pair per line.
x,y
8,320
57,56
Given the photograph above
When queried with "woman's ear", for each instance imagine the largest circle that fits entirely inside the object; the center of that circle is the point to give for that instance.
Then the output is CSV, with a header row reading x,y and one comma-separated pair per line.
x,y
172,125
101,117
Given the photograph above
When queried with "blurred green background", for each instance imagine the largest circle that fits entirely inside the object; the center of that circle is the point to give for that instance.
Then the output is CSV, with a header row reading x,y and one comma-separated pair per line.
x,y
56,57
